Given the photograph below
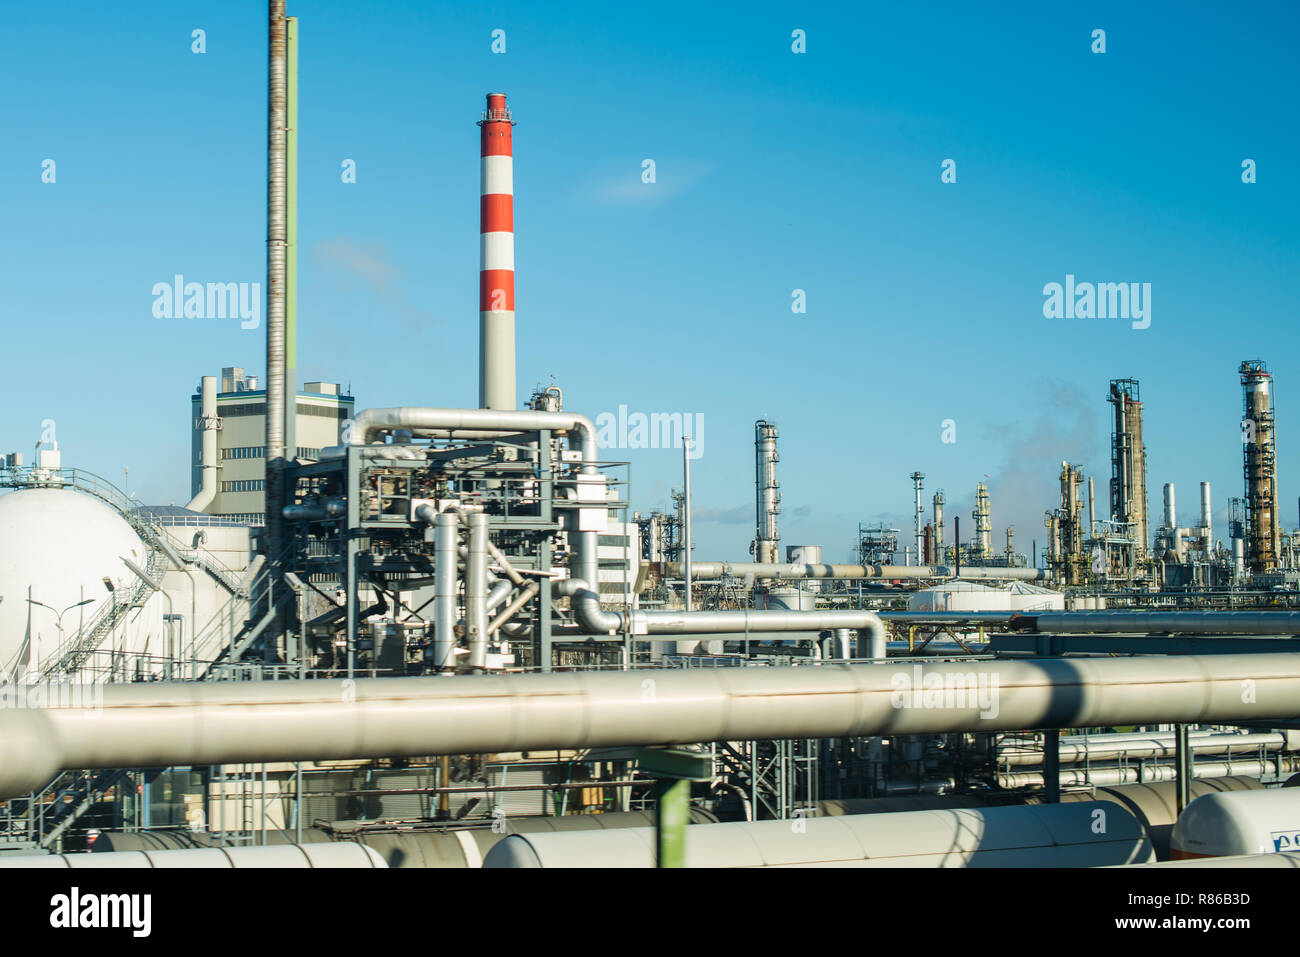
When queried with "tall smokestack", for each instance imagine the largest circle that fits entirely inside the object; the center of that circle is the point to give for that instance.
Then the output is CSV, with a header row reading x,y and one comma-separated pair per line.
x,y
496,295
276,242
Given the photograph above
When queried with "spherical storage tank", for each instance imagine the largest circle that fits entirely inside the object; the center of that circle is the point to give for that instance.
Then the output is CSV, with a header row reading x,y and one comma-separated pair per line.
x,y
61,544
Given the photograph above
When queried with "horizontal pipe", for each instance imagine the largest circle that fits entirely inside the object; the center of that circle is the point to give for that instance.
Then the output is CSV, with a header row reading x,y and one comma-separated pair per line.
x,y
1149,622
1148,773
1106,747
702,570
169,724
370,423
595,620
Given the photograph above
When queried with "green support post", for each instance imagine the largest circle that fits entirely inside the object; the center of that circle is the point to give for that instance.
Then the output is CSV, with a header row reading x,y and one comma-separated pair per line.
x,y
674,770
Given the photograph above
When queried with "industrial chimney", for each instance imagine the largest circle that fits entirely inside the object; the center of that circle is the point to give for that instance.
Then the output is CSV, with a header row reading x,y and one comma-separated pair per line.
x,y
496,259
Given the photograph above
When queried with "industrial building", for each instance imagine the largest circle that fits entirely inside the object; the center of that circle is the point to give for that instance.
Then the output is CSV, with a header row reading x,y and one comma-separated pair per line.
x,y
229,478
435,636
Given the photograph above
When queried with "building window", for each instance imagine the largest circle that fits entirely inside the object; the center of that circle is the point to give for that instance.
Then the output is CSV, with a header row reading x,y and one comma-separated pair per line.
x,y
327,411
244,485
244,452
305,453
241,408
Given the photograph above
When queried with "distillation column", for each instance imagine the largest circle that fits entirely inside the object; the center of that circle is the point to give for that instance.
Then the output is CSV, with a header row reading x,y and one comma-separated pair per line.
x,y
983,522
767,492
917,479
1260,465
938,528
1128,468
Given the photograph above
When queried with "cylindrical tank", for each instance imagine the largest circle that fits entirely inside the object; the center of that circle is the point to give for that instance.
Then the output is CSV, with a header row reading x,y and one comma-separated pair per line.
x,y
403,849
1155,805
790,599
1252,822
805,555
1056,835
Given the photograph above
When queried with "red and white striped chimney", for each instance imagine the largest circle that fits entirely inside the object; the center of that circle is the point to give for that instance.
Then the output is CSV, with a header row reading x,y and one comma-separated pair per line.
x,y
496,259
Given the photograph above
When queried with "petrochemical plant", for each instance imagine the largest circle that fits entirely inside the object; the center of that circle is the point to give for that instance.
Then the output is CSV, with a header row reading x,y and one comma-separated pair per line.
x,y
429,636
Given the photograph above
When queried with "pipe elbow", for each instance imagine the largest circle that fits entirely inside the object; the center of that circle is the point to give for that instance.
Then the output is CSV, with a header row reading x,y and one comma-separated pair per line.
x,y
586,607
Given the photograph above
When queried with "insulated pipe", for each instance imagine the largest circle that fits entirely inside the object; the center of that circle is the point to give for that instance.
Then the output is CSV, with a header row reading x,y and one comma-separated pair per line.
x,y
499,557
595,620
1152,772
208,423
1206,514
1101,747
499,592
445,542
476,619
1171,622
195,723
368,424
496,288
712,570
525,595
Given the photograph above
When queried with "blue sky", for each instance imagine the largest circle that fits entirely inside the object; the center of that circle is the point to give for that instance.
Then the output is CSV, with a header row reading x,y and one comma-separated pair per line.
x,y
775,171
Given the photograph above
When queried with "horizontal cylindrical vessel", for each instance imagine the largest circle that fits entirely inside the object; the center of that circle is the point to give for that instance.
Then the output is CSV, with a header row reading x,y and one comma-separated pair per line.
x,y
165,724
1059,835
1284,860
341,854
1239,822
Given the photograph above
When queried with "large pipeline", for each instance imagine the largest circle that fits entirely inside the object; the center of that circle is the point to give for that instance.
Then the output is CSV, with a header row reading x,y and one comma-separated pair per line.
x,y
702,570
169,724
208,464
369,424
1152,622
596,620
